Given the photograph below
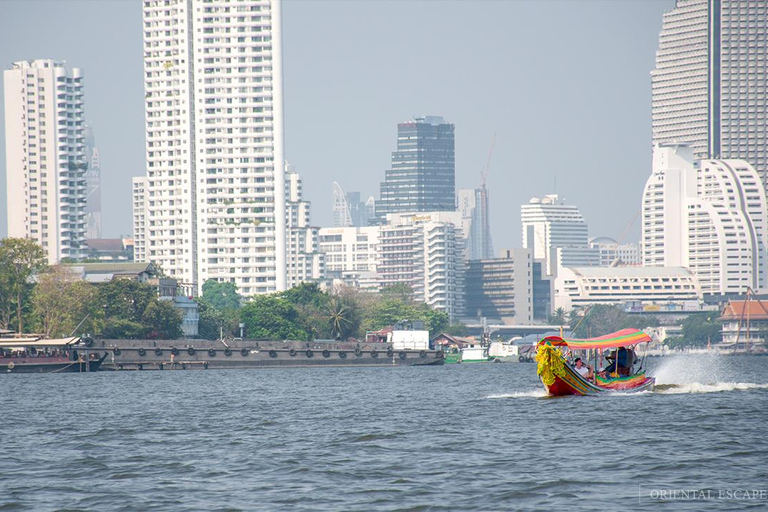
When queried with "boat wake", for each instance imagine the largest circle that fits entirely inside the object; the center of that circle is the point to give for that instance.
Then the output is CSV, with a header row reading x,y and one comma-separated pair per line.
x,y
534,393
699,387
699,373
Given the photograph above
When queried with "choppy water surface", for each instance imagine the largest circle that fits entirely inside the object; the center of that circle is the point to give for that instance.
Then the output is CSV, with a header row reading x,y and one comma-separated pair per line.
x,y
460,437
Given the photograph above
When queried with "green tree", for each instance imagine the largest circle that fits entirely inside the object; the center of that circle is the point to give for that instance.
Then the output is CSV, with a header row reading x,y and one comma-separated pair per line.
x,y
313,306
306,294
64,305
273,318
122,329
387,311
211,321
161,320
126,299
222,296
558,317
399,291
435,320
698,329
455,329
20,259
344,317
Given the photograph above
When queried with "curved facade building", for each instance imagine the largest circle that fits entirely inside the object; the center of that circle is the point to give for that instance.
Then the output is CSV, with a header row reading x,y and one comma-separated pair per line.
x,y
709,216
726,225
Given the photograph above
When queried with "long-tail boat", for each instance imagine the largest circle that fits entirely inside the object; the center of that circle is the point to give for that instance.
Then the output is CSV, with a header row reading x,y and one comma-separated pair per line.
x,y
560,379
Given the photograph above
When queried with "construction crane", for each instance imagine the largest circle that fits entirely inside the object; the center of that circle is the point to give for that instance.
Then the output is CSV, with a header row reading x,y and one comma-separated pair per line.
x,y
616,261
487,167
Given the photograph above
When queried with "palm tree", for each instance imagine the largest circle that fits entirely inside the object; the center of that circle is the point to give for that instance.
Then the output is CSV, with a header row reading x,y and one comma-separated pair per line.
x,y
558,317
340,318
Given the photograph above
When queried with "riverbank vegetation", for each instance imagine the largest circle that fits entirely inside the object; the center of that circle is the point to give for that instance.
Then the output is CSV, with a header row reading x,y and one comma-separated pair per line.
x,y
54,302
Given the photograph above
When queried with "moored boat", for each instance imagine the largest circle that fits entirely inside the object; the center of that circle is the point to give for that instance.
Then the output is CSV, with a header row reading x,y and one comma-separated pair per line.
x,y
39,355
560,378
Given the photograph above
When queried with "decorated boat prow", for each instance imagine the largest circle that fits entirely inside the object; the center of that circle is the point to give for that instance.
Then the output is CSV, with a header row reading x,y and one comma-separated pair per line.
x,y
560,378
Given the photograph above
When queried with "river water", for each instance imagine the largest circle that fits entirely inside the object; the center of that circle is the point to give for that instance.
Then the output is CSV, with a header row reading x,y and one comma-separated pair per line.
x,y
458,437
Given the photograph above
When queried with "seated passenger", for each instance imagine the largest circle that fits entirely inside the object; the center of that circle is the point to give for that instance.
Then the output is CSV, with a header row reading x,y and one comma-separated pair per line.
x,y
582,369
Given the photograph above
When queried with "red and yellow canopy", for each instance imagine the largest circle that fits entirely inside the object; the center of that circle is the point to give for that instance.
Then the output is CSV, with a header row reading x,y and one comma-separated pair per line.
x,y
622,338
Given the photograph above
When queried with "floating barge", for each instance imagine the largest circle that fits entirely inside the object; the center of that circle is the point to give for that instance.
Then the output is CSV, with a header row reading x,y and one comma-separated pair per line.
x,y
188,354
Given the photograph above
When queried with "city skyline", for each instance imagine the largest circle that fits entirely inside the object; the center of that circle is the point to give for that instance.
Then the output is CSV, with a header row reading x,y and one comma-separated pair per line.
x,y
478,108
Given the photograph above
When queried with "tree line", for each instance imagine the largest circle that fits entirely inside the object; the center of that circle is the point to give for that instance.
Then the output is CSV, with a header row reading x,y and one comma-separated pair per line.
x,y
54,302
698,329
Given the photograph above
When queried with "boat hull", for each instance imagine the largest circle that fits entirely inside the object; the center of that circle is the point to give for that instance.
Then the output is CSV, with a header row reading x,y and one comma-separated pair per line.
x,y
571,383
50,366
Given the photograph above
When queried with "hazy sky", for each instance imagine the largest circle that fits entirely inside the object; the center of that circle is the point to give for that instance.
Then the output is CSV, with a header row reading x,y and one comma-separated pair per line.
x,y
564,85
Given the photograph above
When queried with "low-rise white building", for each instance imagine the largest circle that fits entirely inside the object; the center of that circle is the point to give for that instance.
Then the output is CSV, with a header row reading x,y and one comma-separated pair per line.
x,y
617,285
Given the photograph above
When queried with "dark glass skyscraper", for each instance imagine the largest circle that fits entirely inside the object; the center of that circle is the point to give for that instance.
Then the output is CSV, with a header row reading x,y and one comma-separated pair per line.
x,y
423,173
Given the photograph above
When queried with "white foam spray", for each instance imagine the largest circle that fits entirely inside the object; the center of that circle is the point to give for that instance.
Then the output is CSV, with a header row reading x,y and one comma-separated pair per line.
x,y
699,373
534,393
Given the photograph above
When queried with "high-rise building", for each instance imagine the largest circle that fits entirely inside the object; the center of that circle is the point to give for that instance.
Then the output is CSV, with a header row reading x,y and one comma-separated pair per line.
x,y
140,219
475,215
672,182
45,156
500,288
423,173
305,261
709,216
93,187
556,233
424,251
349,210
214,135
709,84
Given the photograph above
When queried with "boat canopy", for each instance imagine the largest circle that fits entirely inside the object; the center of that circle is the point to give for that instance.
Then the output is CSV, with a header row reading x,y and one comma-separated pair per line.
x,y
36,342
623,338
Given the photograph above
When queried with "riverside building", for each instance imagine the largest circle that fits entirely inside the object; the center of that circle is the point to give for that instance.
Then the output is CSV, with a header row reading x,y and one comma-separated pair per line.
x,y
709,83
557,234
424,251
45,156
215,188
423,173
579,287
501,289
305,260
475,219
709,216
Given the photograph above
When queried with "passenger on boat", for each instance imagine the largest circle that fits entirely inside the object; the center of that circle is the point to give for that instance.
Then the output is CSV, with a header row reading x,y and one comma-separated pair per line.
x,y
582,369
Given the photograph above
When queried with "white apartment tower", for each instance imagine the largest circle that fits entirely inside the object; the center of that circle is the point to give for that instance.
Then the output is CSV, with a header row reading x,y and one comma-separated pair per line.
x,y
139,185
305,262
672,182
726,225
709,216
424,250
214,118
45,156
709,84
557,232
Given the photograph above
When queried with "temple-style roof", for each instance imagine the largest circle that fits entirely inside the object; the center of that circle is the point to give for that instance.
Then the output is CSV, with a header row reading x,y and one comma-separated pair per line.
x,y
736,309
